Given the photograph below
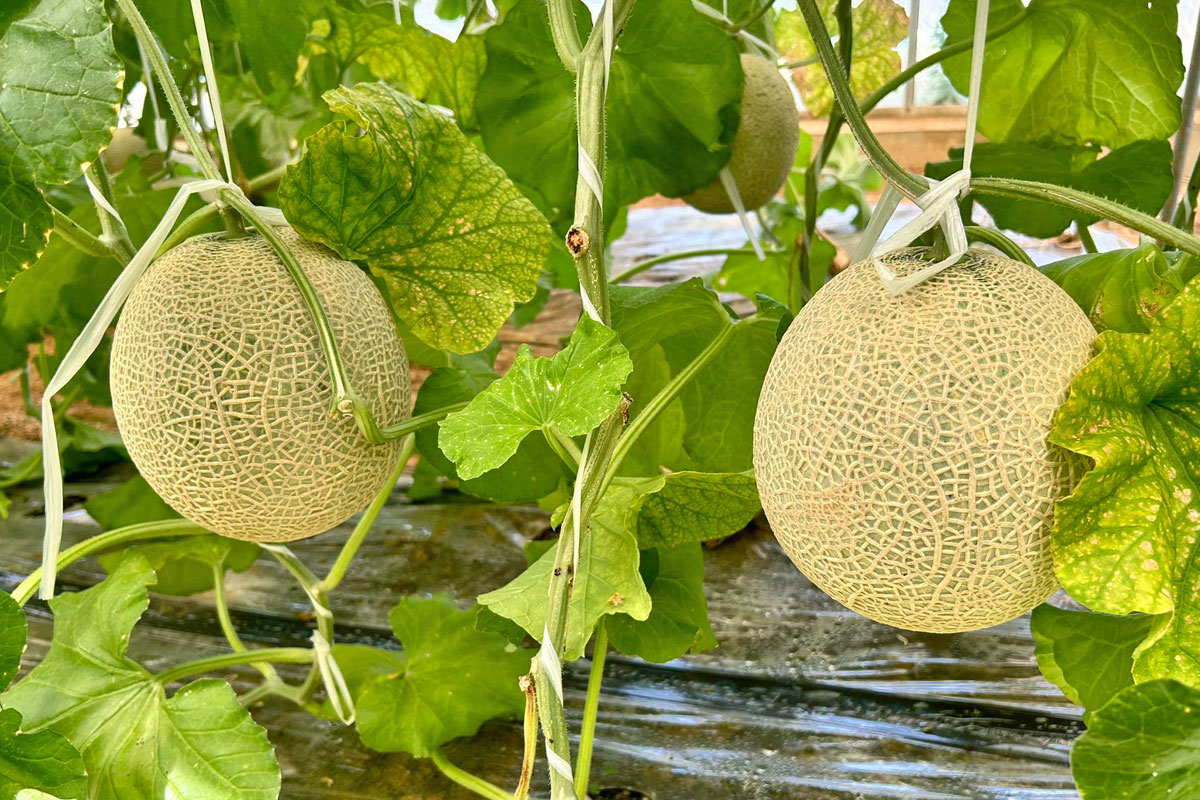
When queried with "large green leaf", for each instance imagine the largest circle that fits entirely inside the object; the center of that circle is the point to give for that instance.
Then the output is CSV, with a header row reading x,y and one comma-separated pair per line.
x,y
1138,175
1126,539
879,25
534,471
569,393
272,32
137,743
25,220
1087,655
60,87
671,107
1144,745
397,185
678,621
453,679
427,66
1121,290
44,761
606,582
1074,72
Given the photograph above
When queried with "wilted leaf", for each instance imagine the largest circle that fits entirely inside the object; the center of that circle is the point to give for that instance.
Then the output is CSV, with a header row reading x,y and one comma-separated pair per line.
x,y
398,185
1126,539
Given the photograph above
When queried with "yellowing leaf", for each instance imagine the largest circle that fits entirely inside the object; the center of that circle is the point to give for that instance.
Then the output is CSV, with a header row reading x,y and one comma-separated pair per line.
x,y
1126,539
397,185
879,25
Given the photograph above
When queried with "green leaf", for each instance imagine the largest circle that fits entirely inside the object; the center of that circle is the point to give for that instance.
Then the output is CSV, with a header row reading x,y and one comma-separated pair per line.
x,y
1138,173
1144,745
1087,655
678,621
137,743
426,66
1121,290
571,393
716,408
879,25
1074,72
397,185
60,88
682,507
43,761
25,220
532,472
1126,539
12,638
454,679
606,582
273,33
671,108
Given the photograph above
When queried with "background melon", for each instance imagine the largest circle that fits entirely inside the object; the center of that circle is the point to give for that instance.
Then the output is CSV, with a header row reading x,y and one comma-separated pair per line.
x,y
900,442
764,146
223,398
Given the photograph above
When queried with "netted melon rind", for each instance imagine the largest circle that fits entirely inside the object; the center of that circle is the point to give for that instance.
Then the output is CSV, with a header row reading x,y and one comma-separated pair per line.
x,y
900,442
223,397
764,147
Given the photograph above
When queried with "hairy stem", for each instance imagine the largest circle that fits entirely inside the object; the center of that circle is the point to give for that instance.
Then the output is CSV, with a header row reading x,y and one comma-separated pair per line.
x,y
363,526
277,655
321,610
996,239
414,424
468,780
162,71
908,185
81,238
118,537
564,32
1088,205
591,710
565,448
755,15
586,244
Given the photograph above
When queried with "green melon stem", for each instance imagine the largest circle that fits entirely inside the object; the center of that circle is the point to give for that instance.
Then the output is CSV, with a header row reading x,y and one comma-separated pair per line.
x,y
109,540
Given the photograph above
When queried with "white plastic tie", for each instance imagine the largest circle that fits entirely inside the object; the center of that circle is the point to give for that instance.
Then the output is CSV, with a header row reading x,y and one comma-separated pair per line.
x,y
331,676
607,40
591,176
940,203
548,658
102,201
319,607
735,197
559,765
77,355
210,82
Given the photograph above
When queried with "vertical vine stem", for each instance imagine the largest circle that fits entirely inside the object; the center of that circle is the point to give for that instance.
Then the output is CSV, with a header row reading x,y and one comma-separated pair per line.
x,y
363,526
591,710
586,244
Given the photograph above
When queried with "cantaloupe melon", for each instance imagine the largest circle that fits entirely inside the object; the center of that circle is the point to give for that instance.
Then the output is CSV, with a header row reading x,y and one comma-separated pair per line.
x,y
764,146
900,442
223,397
